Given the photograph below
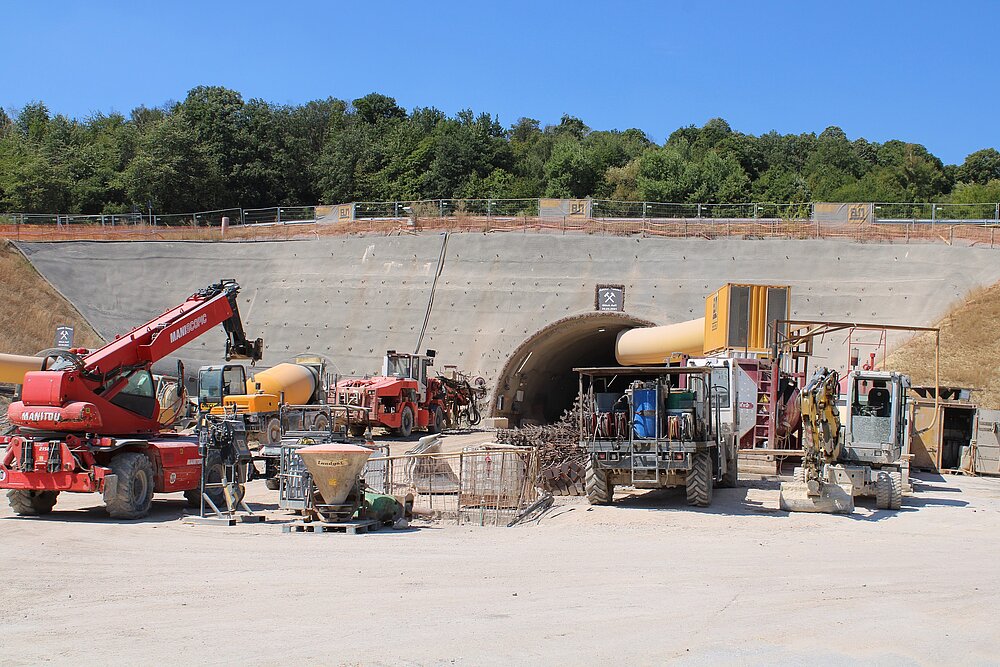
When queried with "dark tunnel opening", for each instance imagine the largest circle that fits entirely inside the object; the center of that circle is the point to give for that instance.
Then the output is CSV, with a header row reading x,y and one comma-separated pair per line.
x,y
538,382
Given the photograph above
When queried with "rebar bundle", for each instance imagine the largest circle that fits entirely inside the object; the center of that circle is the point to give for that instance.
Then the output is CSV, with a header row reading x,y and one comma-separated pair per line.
x,y
560,458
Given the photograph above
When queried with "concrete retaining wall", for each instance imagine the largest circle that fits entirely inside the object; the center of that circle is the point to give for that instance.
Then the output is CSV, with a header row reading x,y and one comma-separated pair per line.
x,y
352,298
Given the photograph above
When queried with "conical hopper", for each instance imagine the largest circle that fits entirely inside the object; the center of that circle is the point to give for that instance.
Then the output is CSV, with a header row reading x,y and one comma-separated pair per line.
x,y
334,468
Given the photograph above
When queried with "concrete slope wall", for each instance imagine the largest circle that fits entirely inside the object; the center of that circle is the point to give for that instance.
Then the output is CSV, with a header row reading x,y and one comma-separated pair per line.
x,y
352,298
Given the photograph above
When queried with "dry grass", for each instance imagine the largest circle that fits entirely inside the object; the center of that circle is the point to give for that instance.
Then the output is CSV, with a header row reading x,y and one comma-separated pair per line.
x,y
30,309
970,349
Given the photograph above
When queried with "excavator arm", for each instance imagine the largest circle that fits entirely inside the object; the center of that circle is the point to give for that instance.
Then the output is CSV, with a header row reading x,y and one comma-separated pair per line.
x,y
812,490
821,425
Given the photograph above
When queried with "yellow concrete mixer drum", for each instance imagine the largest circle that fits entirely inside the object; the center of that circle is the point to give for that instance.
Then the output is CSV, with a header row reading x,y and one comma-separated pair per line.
x,y
297,382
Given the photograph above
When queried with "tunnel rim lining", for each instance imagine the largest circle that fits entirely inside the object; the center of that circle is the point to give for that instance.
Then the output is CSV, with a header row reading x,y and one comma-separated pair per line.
x,y
545,332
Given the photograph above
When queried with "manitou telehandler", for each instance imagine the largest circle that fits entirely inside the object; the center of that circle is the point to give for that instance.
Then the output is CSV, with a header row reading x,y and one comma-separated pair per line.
x,y
90,423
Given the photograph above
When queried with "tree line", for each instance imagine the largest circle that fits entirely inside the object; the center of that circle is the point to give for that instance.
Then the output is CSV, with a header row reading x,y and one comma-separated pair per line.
x,y
216,150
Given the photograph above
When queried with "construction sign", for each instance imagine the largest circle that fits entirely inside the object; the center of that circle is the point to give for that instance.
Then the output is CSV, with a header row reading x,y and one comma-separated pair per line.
x,y
64,337
610,298
856,214
564,208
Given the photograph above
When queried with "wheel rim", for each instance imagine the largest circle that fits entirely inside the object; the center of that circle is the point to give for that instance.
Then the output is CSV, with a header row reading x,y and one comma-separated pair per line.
x,y
140,485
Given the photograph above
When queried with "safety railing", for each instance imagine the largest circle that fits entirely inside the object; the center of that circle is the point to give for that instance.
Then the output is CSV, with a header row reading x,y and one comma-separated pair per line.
x,y
987,213
485,487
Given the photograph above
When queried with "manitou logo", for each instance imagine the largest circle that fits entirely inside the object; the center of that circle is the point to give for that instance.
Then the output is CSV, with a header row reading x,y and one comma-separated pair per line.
x,y
193,325
41,416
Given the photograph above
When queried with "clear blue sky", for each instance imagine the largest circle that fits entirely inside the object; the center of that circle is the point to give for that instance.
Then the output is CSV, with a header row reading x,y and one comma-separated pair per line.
x,y
926,72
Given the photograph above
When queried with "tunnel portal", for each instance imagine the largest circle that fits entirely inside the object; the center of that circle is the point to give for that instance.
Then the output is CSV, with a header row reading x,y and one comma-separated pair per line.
x,y
538,384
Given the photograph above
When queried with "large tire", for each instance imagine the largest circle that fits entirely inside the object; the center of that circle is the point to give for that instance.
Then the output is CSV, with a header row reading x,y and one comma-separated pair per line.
x,y
272,432
320,422
405,422
699,480
889,491
31,503
732,476
883,491
136,480
436,422
896,491
215,471
600,491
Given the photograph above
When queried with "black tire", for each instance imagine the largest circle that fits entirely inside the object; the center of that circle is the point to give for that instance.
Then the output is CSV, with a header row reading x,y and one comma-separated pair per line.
x,y
136,480
320,423
731,477
405,422
273,483
699,480
215,472
436,421
600,491
31,503
895,491
272,432
888,491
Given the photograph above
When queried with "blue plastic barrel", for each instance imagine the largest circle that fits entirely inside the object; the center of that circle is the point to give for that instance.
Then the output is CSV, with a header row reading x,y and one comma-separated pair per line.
x,y
644,417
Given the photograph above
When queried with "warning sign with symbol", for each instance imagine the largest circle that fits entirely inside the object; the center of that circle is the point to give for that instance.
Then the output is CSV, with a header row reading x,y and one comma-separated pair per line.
x,y
610,298
64,337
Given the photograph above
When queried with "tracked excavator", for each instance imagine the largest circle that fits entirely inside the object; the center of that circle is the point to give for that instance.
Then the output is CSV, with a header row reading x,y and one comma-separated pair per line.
x,y
90,422
866,456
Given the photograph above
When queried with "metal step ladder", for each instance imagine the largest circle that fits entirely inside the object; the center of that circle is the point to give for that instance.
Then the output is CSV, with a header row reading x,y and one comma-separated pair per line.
x,y
645,473
765,411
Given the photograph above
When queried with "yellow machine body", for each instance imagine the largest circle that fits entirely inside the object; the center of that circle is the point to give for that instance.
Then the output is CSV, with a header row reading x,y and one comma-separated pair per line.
x,y
247,404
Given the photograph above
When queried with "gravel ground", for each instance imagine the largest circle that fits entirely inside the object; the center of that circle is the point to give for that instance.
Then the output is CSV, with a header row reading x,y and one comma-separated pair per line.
x,y
645,581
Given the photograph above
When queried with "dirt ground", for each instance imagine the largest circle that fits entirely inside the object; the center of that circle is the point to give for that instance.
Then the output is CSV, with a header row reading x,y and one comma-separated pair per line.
x,y
646,581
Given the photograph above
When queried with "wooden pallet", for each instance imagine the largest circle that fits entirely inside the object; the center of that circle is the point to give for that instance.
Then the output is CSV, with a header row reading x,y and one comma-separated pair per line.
x,y
320,527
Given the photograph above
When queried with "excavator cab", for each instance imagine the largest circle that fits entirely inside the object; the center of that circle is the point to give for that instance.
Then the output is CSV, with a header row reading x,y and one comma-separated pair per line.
x,y
875,429
217,382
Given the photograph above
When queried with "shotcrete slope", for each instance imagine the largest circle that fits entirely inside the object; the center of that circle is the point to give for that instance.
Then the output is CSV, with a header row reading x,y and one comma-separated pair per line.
x,y
352,298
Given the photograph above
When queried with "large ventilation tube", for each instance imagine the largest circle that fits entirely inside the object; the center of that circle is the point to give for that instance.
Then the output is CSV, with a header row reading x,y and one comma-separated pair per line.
x,y
14,366
655,345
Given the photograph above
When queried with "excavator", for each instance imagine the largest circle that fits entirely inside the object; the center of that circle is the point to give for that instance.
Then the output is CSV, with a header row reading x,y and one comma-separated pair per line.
x,y
91,422
867,456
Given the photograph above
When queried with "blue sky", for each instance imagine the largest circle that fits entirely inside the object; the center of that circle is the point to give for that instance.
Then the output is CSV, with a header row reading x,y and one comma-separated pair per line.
x,y
919,71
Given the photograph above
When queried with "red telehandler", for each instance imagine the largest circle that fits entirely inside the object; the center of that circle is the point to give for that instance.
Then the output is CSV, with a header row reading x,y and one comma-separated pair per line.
x,y
90,422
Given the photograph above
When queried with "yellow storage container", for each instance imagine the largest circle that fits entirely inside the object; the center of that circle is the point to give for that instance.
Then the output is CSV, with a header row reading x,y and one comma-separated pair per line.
x,y
741,317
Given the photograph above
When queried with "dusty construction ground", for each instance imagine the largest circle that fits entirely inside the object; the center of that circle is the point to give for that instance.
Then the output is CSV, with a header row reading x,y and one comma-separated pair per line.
x,y
647,581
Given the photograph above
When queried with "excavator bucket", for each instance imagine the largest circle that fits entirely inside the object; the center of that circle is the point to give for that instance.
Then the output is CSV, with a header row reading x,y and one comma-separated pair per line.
x,y
831,499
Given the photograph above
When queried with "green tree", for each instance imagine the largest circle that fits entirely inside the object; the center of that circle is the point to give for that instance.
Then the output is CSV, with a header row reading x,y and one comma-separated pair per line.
x,y
980,167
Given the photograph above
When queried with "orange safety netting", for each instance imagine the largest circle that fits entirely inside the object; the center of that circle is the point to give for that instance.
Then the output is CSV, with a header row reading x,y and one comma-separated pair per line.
x,y
968,234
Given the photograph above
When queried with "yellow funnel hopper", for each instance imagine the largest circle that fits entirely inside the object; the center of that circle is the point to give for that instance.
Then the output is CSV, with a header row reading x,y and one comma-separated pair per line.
x,y
334,468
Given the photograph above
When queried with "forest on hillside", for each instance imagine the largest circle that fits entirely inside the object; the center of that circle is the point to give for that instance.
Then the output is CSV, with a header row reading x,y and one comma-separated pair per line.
x,y
215,150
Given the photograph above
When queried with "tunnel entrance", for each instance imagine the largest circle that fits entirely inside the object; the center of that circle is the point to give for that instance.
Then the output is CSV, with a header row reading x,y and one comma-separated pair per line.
x,y
538,383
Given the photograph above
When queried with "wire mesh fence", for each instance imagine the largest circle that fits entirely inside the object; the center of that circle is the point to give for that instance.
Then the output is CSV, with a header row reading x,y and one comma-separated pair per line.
x,y
924,213
889,222
485,487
